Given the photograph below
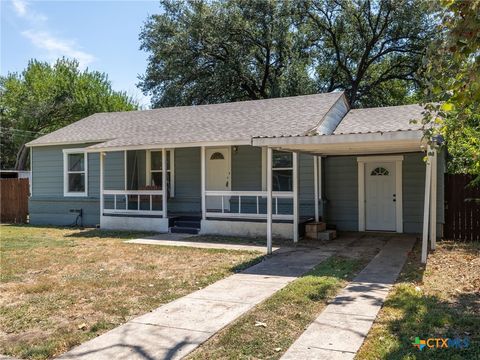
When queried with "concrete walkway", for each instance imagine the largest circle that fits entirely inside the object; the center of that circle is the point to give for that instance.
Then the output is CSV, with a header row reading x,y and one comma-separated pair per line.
x,y
175,329
342,326
182,240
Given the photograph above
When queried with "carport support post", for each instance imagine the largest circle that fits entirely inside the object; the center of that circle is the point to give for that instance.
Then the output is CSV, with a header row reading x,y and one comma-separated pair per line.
x,y
433,201
295,197
204,207
269,200
426,206
164,183
315,186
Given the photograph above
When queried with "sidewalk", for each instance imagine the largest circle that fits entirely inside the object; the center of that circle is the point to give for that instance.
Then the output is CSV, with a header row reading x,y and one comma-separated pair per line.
x,y
182,240
342,326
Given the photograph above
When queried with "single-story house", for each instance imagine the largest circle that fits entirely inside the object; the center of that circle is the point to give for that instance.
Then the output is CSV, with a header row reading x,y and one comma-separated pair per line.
x,y
245,168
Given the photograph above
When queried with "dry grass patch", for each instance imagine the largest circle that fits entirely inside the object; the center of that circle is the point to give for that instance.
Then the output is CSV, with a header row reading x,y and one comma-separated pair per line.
x,y
61,287
441,300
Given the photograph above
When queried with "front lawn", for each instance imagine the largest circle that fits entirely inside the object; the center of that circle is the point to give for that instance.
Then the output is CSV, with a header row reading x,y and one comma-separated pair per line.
x,y
441,300
61,287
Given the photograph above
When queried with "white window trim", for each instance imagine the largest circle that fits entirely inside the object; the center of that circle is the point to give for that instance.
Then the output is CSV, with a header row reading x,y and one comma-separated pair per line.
x,y
264,166
362,160
285,168
149,170
66,152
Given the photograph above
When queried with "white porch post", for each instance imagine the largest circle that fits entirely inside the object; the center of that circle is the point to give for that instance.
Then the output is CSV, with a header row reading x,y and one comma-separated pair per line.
x,y
125,168
164,183
315,186
426,207
269,200
433,201
295,197
204,206
320,181
102,185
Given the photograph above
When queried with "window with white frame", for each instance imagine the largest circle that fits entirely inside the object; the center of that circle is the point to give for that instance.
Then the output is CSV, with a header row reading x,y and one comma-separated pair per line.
x,y
155,170
75,172
282,171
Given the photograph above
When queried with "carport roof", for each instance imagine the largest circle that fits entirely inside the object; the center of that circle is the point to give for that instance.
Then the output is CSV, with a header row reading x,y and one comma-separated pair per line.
x,y
381,119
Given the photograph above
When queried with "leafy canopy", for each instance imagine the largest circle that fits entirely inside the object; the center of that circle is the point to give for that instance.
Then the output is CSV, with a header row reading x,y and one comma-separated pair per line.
x,y
44,98
221,51
452,73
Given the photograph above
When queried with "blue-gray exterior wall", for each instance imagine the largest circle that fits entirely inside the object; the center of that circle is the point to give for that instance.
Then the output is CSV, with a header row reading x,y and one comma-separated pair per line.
x,y
341,191
47,205
188,182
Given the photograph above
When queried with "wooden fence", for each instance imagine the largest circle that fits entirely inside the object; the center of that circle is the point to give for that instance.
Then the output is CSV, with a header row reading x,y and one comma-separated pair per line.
x,y
462,208
14,200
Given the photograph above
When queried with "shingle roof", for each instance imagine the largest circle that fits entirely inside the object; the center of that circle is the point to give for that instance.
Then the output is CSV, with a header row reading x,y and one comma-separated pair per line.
x,y
203,123
381,119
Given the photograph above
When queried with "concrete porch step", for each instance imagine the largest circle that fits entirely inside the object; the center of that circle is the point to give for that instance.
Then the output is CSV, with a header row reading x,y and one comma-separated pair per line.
x,y
327,235
184,230
188,223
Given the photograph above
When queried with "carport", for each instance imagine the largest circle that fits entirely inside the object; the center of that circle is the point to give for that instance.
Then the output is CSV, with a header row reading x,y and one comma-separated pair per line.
x,y
368,147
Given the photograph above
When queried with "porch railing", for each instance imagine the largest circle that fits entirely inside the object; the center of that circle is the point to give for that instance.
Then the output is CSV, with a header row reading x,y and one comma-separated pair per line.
x,y
248,204
140,202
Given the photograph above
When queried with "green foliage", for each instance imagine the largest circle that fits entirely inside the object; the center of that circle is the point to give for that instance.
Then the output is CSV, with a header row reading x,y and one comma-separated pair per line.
x,y
452,73
47,97
221,51
370,49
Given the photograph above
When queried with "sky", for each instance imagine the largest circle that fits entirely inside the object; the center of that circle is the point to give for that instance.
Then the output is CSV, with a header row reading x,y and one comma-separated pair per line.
x,y
101,35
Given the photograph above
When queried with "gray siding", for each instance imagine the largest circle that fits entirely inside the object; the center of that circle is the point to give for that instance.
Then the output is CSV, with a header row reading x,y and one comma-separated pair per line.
x,y
341,192
187,182
306,186
47,205
341,176
114,170
247,169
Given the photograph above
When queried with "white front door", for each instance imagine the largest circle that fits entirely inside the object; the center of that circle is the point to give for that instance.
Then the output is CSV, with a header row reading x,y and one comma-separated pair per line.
x,y
380,197
218,177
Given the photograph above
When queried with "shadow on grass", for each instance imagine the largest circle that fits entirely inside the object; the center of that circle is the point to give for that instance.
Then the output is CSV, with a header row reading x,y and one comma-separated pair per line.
x,y
102,234
416,314
430,317
246,264
239,240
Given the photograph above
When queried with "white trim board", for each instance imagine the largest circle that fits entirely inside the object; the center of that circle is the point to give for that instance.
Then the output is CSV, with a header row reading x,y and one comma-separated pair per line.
x,y
362,160
66,152
171,145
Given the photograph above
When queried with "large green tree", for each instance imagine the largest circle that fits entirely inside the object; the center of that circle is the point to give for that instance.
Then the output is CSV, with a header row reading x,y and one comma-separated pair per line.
x,y
370,49
452,73
220,51
46,97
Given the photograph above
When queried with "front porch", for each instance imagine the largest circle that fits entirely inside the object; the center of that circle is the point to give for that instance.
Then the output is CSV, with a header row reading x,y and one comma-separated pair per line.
x,y
367,182
218,189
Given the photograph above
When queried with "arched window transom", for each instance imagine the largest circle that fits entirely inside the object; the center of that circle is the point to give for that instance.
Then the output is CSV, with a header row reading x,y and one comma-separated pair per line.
x,y
379,171
217,156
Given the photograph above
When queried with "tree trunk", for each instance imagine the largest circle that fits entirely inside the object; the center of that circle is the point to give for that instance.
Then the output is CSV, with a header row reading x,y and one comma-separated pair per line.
x,y
22,157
